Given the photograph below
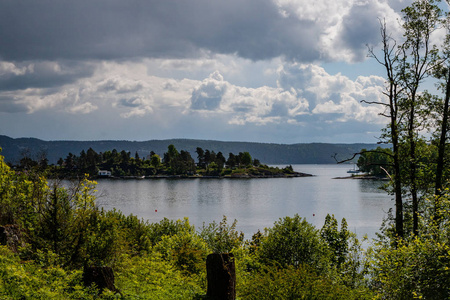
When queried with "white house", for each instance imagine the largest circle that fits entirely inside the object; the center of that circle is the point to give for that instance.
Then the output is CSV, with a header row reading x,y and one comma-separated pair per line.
x,y
104,173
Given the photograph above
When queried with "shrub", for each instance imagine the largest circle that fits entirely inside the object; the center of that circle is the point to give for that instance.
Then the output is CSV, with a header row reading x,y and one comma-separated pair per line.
x,y
28,280
168,227
416,269
299,282
222,238
185,250
151,277
294,242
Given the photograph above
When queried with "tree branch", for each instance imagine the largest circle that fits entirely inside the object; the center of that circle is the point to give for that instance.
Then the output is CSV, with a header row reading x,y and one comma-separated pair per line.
x,y
374,102
359,153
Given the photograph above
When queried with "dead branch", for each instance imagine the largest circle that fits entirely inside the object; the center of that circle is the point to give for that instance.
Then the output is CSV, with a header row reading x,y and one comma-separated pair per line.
x,y
359,153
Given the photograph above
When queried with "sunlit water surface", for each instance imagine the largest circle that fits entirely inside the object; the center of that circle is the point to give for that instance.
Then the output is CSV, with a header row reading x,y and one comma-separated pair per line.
x,y
254,203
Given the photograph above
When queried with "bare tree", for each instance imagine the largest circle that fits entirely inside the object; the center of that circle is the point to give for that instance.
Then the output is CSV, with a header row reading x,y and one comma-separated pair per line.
x,y
390,61
418,60
442,73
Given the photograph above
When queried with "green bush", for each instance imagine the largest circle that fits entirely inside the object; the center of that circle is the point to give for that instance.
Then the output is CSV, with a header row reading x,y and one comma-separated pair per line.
x,y
168,227
299,282
185,250
134,233
418,266
417,269
152,277
28,280
294,242
222,238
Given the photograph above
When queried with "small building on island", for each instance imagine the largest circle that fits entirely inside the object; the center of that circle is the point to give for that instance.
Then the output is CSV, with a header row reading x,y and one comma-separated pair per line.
x,y
104,173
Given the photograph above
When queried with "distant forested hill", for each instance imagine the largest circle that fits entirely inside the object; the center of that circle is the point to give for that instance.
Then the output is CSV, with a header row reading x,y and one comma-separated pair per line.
x,y
312,153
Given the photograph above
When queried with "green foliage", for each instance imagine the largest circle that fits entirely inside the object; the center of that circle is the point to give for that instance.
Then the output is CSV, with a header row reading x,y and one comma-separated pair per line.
x,y
337,240
134,233
222,238
415,269
185,250
418,266
245,158
289,169
168,227
376,162
155,161
63,230
54,222
347,255
301,282
20,195
292,241
152,277
28,280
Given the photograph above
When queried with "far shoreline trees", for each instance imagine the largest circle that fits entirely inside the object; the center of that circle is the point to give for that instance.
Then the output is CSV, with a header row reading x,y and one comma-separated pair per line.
x,y
173,163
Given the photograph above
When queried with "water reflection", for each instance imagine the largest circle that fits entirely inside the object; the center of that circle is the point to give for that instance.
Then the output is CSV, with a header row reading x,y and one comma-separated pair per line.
x,y
255,203
372,186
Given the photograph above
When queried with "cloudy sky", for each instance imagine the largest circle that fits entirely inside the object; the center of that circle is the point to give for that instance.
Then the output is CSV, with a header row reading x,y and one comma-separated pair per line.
x,y
280,71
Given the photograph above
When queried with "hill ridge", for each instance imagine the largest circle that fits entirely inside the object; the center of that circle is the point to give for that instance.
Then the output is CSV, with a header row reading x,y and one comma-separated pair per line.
x,y
269,153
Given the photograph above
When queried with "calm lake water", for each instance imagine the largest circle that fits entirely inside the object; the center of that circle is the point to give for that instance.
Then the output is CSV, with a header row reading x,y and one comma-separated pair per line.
x,y
254,203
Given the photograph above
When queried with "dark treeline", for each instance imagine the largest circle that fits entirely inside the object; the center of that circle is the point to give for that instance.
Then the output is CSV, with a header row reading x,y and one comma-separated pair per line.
x,y
173,162
268,153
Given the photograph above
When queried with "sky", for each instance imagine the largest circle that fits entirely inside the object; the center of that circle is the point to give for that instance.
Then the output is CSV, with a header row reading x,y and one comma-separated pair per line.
x,y
273,71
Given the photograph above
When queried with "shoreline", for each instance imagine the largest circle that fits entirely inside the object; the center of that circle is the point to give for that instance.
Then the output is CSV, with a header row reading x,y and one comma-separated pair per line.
x,y
363,177
237,176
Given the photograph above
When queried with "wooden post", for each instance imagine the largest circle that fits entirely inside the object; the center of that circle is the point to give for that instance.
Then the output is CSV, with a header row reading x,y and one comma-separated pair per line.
x,y
2,235
221,275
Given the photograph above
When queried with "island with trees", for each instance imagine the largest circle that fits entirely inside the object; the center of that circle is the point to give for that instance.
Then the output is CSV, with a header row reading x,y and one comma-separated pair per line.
x,y
173,164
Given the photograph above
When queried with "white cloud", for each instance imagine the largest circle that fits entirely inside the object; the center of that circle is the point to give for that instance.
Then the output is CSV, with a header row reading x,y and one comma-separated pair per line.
x,y
9,68
138,112
303,89
83,108
262,105
209,94
136,106
122,85
335,94
306,96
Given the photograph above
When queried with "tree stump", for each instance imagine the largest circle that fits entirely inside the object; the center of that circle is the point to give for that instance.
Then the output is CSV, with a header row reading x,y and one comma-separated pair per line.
x,y
2,235
221,275
103,277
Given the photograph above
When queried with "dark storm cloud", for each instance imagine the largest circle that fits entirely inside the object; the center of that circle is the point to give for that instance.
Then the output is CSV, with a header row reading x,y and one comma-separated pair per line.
x,y
44,75
360,28
9,105
113,29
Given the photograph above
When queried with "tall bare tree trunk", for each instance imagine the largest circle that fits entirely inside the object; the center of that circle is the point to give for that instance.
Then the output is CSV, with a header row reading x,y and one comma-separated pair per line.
x,y
441,151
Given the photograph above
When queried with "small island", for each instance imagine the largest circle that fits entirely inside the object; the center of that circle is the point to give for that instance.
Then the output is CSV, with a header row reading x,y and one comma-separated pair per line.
x,y
372,164
173,164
